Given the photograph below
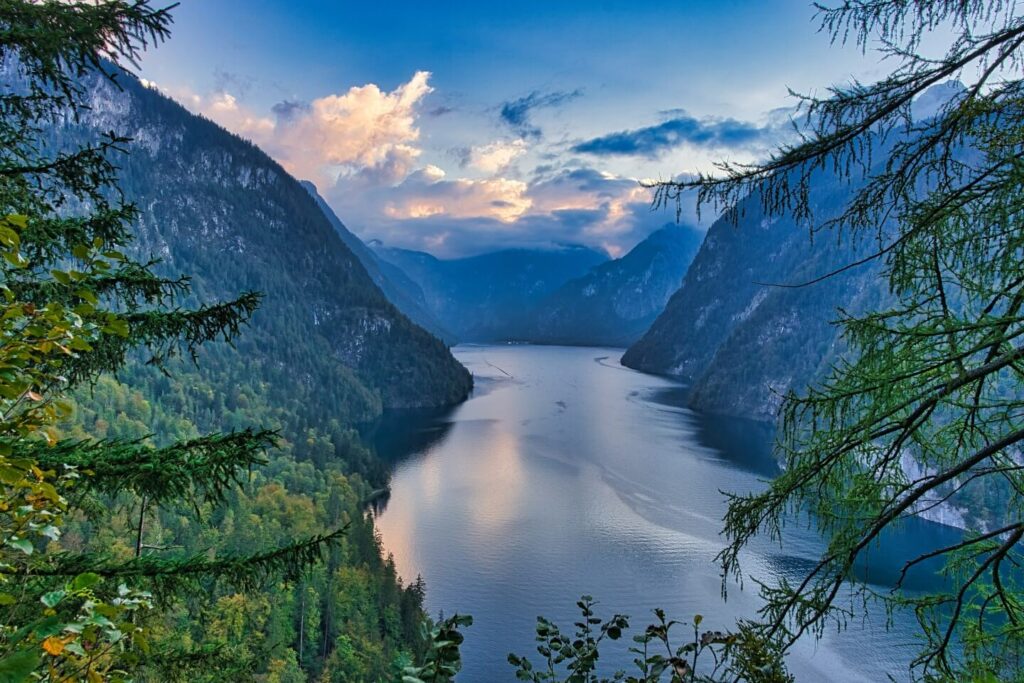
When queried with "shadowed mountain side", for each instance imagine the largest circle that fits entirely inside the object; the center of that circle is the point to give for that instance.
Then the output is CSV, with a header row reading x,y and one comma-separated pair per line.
x,y
740,339
488,297
616,302
217,207
400,290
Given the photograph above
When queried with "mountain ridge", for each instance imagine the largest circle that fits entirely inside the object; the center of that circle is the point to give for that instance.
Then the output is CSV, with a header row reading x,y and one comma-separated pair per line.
x,y
616,302
216,206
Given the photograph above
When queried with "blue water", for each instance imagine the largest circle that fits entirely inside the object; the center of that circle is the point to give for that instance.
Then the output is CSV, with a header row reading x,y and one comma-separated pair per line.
x,y
566,474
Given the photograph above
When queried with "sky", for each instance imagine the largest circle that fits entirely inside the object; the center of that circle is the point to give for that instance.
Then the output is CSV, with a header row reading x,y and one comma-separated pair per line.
x,y
458,128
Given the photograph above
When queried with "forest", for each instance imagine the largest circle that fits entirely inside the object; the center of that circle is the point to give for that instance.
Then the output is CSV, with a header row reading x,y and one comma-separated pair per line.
x,y
191,352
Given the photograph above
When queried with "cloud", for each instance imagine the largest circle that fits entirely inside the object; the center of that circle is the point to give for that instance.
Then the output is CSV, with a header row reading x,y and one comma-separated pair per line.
x,y
362,128
517,114
682,129
364,131
363,149
456,216
441,110
494,157
287,110
229,81
428,192
226,110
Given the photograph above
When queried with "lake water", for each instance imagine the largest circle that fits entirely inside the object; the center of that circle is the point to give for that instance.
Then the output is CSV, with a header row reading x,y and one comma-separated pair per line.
x,y
567,474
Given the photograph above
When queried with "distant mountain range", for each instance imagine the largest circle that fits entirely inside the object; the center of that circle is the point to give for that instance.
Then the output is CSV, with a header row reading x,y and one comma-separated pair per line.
x,y
562,295
616,302
488,297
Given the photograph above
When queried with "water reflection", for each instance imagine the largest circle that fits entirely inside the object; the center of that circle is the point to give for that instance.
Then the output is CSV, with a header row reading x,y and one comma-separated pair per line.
x,y
402,434
567,474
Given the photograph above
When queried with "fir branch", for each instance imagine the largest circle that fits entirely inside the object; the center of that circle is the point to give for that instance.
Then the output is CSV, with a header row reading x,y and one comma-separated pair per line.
x,y
208,466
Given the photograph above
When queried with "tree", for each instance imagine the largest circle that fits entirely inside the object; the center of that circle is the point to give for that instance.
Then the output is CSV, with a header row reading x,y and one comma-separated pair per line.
x,y
935,374
76,307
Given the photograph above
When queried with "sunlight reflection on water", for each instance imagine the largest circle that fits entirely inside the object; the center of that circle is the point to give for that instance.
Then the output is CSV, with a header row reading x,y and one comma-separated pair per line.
x,y
566,474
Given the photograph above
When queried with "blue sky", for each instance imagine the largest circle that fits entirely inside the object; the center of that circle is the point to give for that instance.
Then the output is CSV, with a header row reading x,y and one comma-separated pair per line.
x,y
459,127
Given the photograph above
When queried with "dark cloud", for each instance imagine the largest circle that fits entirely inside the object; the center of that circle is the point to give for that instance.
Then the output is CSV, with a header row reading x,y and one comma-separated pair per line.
x,y
440,111
462,155
287,109
591,181
228,81
683,129
672,113
517,114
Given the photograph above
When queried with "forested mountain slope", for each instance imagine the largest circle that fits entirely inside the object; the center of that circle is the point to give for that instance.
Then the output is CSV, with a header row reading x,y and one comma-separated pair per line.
x,y
216,207
742,340
399,289
325,351
616,302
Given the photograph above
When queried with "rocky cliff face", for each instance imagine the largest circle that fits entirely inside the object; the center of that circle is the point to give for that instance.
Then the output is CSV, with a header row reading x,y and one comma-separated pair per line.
x,y
739,337
399,289
216,207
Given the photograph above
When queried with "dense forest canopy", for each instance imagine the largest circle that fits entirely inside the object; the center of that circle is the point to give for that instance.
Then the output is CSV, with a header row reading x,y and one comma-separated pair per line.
x,y
167,513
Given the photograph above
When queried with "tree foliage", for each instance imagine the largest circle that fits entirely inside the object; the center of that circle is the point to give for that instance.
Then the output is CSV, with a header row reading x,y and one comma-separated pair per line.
x,y
933,376
75,307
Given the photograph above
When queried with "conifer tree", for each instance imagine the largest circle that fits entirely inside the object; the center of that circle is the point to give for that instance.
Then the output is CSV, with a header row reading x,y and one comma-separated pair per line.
x,y
75,306
935,374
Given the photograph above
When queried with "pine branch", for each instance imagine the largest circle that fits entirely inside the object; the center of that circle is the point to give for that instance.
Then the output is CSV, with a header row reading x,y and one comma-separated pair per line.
x,y
244,572
208,466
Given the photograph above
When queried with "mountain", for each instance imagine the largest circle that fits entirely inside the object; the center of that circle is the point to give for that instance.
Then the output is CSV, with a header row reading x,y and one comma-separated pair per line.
x,y
399,289
616,302
742,342
738,338
487,297
216,207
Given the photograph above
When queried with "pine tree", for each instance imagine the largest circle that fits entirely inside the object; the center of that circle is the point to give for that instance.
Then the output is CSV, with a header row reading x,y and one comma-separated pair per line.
x,y
935,375
76,306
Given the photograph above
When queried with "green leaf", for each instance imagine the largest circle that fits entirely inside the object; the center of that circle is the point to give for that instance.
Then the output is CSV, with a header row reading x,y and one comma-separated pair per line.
x,y
15,259
53,598
117,326
10,475
22,544
17,220
88,295
84,581
18,666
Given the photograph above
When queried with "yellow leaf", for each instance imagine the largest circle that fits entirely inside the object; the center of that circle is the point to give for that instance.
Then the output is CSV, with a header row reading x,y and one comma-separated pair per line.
x,y
53,645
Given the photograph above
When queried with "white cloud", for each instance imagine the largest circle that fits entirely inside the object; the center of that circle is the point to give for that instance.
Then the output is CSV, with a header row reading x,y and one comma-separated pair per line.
x,y
362,148
364,128
428,192
225,110
496,156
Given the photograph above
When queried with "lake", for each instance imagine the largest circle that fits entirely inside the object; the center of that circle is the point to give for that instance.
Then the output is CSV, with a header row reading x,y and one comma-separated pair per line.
x,y
567,474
